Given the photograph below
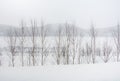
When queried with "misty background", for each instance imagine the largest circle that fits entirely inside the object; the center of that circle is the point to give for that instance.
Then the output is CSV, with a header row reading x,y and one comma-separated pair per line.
x,y
102,13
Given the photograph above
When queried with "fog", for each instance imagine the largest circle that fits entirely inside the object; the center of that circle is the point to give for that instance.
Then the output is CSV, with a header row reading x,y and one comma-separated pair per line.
x,y
102,13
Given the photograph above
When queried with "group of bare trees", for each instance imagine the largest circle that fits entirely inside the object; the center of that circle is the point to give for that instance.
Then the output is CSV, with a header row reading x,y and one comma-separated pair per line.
x,y
19,38
68,45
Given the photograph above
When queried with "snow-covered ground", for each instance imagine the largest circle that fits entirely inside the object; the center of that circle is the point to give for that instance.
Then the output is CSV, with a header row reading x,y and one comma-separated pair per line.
x,y
82,72
99,71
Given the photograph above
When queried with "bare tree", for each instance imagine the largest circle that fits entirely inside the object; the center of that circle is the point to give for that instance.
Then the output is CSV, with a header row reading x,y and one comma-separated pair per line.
x,y
116,35
22,36
79,47
79,54
63,51
93,42
74,42
29,57
11,40
68,41
58,48
106,52
43,44
0,58
88,53
33,40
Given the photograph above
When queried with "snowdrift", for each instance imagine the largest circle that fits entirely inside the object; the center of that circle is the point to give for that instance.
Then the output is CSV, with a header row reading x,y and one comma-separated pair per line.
x,y
83,72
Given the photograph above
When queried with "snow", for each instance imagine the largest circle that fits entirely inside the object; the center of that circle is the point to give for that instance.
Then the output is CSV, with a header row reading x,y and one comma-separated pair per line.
x,y
51,72
82,72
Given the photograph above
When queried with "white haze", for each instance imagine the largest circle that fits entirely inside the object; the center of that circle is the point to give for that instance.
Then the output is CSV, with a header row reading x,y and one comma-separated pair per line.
x,y
102,13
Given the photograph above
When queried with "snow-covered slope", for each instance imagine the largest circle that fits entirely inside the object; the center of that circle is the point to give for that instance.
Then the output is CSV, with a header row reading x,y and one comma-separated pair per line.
x,y
83,72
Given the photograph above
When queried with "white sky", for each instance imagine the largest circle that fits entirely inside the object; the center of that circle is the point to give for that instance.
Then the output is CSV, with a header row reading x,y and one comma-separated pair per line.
x,y
103,13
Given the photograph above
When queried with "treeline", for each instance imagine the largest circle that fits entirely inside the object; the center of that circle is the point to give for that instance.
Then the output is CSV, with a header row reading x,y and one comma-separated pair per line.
x,y
68,48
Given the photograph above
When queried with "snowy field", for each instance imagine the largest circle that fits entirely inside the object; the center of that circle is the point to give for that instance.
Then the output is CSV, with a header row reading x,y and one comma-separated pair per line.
x,y
83,72
99,71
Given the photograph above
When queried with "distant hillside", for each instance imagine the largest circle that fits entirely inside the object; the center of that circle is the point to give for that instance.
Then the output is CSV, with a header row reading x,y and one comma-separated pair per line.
x,y
52,30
